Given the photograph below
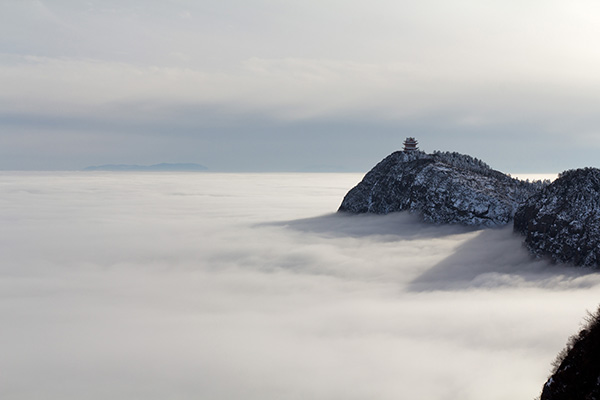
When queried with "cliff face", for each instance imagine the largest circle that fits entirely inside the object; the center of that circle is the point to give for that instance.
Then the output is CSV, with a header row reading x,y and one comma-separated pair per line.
x,y
577,368
442,187
562,221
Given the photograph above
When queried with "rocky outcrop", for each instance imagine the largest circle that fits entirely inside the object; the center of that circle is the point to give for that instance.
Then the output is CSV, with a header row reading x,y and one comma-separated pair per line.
x,y
444,188
577,368
562,221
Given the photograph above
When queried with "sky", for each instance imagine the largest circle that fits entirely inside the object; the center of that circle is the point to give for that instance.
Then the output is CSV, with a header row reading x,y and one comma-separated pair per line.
x,y
228,286
266,85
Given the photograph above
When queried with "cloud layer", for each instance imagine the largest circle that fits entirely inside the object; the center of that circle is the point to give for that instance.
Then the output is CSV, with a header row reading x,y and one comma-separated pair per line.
x,y
161,78
244,285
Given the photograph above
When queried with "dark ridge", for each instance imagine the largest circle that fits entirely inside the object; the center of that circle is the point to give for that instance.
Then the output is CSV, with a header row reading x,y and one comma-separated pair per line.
x,y
576,374
562,221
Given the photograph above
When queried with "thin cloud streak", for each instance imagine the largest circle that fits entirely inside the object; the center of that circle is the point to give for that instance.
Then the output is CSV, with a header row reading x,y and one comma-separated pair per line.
x,y
292,89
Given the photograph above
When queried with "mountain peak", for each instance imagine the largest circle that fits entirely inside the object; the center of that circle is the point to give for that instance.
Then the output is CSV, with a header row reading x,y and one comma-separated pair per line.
x,y
443,187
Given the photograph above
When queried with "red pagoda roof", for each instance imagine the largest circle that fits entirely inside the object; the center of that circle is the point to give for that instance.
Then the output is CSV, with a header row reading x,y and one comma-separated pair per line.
x,y
410,144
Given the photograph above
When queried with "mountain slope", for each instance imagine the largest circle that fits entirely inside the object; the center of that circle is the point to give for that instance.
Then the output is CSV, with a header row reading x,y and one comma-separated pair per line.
x,y
562,221
577,367
442,187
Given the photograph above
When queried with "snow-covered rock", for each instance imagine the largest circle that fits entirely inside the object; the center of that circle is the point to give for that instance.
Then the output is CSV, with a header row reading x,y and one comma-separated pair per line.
x,y
448,188
562,221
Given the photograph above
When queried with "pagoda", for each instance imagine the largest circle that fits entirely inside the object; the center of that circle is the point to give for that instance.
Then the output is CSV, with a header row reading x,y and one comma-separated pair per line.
x,y
410,144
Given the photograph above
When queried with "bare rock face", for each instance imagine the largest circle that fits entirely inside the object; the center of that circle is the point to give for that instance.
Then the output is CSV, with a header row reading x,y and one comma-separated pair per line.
x,y
445,188
562,221
577,367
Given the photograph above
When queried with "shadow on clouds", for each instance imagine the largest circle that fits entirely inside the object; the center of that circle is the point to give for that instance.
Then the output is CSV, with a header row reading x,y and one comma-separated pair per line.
x,y
497,258
395,226
487,259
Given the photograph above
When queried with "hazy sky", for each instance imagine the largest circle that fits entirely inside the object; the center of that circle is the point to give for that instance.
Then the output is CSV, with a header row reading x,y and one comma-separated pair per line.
x,y
204,286
298,85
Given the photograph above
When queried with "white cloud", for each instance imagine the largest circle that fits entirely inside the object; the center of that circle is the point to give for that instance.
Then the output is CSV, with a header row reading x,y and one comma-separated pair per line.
x,y
230,285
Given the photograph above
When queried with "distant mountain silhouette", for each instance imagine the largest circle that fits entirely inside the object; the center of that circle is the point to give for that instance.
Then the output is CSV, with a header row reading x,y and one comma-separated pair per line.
x,y
155,167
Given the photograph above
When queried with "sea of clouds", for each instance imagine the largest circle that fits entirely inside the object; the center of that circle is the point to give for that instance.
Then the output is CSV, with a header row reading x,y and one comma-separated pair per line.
x,y
248,286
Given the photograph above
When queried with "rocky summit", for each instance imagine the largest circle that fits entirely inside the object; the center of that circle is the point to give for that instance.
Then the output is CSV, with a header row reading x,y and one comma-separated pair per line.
x,y
562,221
443,187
